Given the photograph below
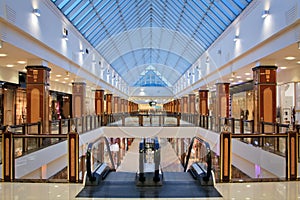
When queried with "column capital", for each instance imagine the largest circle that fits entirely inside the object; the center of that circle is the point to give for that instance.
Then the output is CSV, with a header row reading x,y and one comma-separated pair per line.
x,y
222,83
28,67
264,67
203,90
78,83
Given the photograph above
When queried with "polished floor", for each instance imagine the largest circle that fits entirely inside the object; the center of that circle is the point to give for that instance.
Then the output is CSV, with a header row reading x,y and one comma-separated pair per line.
x,y
233,191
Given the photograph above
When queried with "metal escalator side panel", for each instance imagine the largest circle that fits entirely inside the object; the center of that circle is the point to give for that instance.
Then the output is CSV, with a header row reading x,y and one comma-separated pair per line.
x,y
101,169
203,170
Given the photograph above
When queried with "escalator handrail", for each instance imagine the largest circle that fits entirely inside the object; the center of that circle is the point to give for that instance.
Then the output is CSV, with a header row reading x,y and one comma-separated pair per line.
x,y
208,156
88,157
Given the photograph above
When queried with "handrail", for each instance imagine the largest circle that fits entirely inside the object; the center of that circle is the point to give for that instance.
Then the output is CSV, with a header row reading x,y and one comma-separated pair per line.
x,y
88,157
208,157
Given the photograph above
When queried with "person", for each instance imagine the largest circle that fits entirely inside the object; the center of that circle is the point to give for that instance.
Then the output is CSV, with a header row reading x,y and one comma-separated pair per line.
x,y
246,114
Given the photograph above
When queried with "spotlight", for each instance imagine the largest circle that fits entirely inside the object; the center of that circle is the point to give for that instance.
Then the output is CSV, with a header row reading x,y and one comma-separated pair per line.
x,y
265,14
65,37
236,37
37,12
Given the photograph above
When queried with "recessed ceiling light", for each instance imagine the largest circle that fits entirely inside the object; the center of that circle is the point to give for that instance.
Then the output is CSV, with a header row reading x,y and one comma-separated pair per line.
x,y
56,79
290,58
240,81
298,62
22,62
58,75
231,79
9,65
283,67
3,54
66,78
238,77
248,78
247,74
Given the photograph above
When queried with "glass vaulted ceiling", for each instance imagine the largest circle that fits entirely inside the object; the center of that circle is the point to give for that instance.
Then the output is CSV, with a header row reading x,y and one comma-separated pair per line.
x,y
151,42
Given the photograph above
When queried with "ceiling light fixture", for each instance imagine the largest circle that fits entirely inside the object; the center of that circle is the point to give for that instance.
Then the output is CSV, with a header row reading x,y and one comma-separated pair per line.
x,y
236,37
65,37
37,12
65,34
290,58
21,62
265,14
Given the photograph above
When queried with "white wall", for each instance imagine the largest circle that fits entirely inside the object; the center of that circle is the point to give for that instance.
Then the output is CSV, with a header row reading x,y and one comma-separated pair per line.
x,y
258,38
43,37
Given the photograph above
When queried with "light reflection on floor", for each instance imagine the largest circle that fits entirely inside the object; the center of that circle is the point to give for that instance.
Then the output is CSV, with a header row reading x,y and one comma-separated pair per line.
x,y
233,191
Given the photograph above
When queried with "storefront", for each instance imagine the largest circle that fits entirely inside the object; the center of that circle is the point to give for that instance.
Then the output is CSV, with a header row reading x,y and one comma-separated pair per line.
x,y
60,105
241,100
12,104
288,103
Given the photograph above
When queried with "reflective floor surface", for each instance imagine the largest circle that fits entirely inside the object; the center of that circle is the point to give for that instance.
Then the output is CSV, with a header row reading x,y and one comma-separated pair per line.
x,y
233,191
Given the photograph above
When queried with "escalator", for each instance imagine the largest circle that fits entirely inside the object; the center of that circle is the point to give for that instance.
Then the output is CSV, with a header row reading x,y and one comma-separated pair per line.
x,y
103,179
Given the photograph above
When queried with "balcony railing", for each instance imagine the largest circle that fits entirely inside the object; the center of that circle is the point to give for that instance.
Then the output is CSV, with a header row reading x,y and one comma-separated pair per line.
x,y
29,137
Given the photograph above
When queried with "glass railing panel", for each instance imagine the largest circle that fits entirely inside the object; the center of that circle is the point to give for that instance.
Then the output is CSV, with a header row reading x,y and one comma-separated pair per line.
x,y
237,126
269,128
1,149
258,158
17,129
64,126
283,129
88,123
33,128
248,126
27,168
54,125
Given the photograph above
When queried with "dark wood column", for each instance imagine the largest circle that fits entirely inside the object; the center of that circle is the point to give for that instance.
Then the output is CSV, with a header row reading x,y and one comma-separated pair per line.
x,y
184,104
126,105
99,102
122,109
191,104
203,102
179,105
264,78
116,105
109,103
222,107
37,90
78,99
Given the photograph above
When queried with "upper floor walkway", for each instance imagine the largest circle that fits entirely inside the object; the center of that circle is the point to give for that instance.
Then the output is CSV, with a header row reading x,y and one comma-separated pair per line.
x,y
253,156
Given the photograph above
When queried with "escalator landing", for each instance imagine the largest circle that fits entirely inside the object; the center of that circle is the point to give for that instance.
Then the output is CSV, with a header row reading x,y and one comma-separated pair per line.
x,y
123,185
